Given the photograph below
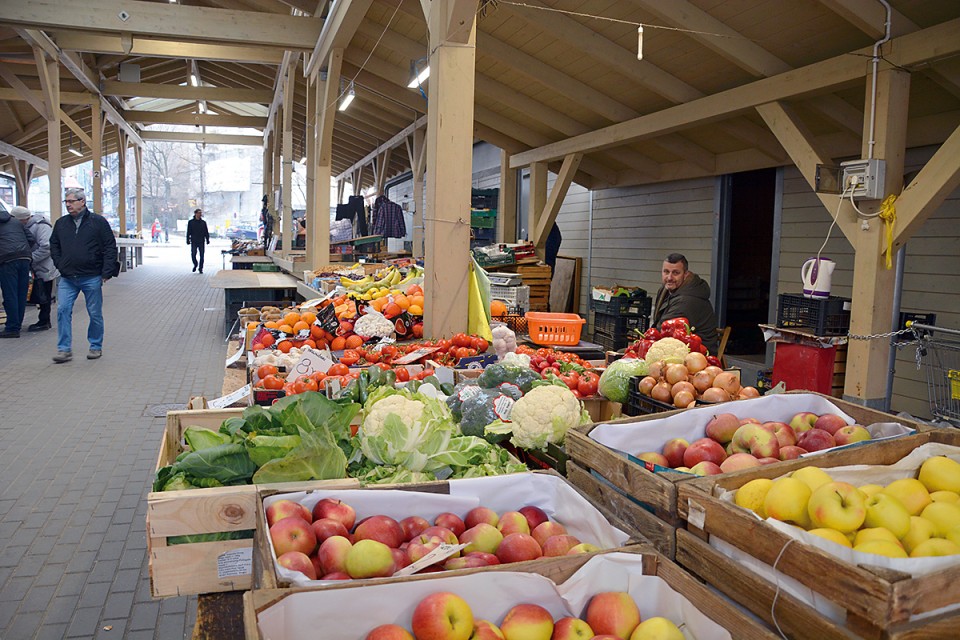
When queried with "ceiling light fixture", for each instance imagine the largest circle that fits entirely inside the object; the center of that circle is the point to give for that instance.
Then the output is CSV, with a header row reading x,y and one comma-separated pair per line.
x,y
193,80
203,107
419,78
347,98
73,149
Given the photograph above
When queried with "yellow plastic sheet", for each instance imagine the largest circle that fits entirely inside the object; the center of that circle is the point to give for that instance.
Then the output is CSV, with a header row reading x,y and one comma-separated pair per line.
x,y
478,306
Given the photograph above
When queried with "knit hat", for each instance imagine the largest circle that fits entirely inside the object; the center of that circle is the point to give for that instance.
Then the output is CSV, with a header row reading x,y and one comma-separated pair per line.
x,y
20,213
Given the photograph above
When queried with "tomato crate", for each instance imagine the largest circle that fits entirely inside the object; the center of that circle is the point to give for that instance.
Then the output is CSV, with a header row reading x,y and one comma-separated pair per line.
x,y
760,563
607,452
202,567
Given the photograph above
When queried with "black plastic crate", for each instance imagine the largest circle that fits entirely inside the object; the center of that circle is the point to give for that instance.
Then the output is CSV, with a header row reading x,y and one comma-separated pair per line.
x,y
620,327
825,317
622,305
610,343
641,405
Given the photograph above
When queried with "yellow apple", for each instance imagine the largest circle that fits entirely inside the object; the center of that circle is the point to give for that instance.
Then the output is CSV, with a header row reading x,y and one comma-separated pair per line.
x,y
837,505
945,496
935,547
787,501
874,534
954,535
921,530
911,493
940,473
870,489
751,495
813,477
883,510
944,516
657,629
832,535
881,548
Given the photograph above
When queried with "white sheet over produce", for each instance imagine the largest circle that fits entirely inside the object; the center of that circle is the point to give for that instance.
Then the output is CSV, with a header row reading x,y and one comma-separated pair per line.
x,y
348,614
555,496
650,435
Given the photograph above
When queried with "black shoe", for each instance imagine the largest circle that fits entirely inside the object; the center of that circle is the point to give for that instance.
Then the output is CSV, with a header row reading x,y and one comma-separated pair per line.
x,y
195,269
9,334
39,326
201,270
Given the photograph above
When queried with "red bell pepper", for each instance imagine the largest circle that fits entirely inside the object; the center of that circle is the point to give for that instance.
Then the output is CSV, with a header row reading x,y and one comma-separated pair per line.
x,y
675,323
713,360
643,346
694,342
652,334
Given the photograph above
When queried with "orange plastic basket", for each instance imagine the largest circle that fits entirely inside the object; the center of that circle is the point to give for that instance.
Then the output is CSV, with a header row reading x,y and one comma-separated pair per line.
x,y
554,329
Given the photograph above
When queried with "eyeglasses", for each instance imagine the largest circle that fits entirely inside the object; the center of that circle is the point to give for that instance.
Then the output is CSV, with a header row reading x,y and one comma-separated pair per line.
x,y
71,201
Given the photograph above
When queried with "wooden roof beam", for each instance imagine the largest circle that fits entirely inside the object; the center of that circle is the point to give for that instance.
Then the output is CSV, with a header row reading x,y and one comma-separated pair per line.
x,y
337,32
177,92
206,138
18,153
395,141
199,119
114,45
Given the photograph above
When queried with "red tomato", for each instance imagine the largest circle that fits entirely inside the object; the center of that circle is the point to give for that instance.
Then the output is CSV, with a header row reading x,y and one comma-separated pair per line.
x,y
265,370
338,370
588,384
309,384
425,373
403,374
318,376
571,379
444,345
372,356
383,365
350,357
552,370
481,345
272,382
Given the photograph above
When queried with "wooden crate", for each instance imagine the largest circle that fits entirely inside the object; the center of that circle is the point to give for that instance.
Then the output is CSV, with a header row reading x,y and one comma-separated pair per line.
x,y
740,624
202,567
657,490
878,601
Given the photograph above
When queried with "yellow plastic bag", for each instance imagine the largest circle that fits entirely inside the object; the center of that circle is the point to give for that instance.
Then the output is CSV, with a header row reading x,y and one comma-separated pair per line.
x,y
478,305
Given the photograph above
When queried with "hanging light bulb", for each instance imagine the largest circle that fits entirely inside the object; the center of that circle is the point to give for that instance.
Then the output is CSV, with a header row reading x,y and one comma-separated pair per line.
x,y
348,97
419,78
193,80
73,149
640,42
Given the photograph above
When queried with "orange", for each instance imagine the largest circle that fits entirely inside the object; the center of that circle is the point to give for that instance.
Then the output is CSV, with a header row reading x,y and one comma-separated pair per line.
x,y
392,310
309,317
301,326
309,343
414,290
267,340
291,318
287,329
417,300
251,326
338,343
415,310
271,325
285,346
316,332
498,308
353,342
401,301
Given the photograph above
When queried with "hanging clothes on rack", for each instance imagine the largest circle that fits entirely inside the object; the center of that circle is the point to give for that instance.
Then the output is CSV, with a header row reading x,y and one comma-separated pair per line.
x,y
354,211
388,218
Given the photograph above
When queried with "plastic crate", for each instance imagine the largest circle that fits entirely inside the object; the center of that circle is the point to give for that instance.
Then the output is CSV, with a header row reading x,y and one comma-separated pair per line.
x,y
554,329
622,305
610,343
619,326
482,222
641,405
516,323
518,296
825,317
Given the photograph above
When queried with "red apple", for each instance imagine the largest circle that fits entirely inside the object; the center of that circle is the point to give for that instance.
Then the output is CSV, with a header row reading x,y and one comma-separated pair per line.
x,y
816,440
830,423
485,630
738,461
400,559
744,421
613,612
518,547
327,527
547,530
803,421
480,514
489,558
380,528
559,545
703,449
336,575
442,616
296,561
464,562
706,468
389,632
332,555
369,559
527,621
413,526
335,510
450,521
535,516
673,451
293,534
654,458
768,460
570,628
850,434
443,533
786,436
791,453
482,537
513,522
315,561
722,427
420,547
286,509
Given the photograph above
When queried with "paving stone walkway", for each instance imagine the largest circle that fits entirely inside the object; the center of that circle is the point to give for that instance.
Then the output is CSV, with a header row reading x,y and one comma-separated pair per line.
x,y
78,450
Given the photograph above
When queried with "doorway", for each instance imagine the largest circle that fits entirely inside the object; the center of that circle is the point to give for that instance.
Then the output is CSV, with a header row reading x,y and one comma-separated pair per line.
x,y
749,237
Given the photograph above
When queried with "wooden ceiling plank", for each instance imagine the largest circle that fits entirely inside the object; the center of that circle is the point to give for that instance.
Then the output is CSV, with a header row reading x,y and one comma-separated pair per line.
x,y
688,150
32,97
176,92
208,138
201,119
15,152
389,144
384,85
756,136
157,48
870,17
337,32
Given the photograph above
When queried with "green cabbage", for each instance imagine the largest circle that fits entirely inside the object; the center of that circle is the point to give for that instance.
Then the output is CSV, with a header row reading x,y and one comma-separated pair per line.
x,y
615,381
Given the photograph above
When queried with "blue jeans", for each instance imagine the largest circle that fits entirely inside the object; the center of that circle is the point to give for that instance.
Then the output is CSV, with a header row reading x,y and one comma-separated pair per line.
x,y
14,280
67,292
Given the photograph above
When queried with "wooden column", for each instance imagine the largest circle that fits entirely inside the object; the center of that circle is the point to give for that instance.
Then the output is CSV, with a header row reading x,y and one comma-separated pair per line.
x,y
327,91
415,150
287,154
277,170
138,161
507,204
122,179
872,281
97,124
537,199
452,27
50,83
311,154
23,172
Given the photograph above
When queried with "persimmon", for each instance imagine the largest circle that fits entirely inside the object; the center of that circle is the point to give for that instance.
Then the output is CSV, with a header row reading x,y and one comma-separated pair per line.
x,y
284,346
353,342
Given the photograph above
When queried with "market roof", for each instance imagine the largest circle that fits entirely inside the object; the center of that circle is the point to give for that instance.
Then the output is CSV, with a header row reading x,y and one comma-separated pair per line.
x,y
546,73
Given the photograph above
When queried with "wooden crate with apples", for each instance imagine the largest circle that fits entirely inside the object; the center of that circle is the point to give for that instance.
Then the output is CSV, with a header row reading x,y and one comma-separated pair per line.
x,y
188,568
351,610
860,600
620,481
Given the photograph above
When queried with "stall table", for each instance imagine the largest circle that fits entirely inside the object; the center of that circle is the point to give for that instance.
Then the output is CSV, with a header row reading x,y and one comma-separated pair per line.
x,y
131,252
245,262
251,288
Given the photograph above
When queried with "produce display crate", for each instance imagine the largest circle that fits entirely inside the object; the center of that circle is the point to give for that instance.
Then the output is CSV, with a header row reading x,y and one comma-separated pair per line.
x,y
629,569
609,343
641,405
518,296
265,266
202,567
878,602
620,326
623,305
656,489
483,221
553,457
825,317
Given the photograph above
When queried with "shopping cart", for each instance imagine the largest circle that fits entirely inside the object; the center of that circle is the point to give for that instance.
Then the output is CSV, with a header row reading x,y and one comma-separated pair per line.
x,y
938,351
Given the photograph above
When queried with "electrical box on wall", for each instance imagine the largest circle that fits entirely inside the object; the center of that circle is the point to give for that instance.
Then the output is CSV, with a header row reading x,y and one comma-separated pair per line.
x,y
863,178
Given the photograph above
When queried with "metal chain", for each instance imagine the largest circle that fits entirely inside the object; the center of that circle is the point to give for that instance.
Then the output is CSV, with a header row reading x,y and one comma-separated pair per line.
x,y
875,336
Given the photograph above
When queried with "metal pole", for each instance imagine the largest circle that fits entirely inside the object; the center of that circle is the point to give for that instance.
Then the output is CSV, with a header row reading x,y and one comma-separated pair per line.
x,y
894,326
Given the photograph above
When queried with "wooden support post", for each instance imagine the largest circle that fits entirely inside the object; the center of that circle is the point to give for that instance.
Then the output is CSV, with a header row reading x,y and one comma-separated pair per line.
x,y
449,165
311,155
872,281
287,232
537,201
268,167
138,161
341,187
122,179
415,151
552,207
96,135
507,204
23,172
327,92
50,80
277,171
383,162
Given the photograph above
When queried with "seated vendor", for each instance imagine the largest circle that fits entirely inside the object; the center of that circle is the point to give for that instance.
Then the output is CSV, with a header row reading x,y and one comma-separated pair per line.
x,y
684,294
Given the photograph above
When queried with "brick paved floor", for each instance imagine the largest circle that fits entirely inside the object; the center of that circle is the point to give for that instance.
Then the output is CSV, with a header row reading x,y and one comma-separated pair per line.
x,y
77,453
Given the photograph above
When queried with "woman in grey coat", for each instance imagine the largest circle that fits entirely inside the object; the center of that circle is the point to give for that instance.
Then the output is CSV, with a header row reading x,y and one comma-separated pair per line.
x,y
44,273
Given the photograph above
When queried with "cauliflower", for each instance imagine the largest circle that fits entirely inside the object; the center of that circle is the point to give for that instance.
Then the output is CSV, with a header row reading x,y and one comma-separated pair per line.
x,y
373,325
668,350
541,416
409,411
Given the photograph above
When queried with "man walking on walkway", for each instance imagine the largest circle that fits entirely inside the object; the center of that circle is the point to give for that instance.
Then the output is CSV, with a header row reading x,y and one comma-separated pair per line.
x,y
85,252
44,273
14,272
197,234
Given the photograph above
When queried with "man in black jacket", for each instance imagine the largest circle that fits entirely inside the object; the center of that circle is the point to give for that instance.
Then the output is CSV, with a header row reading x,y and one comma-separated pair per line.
x,y
85,252
684,294
14,271
197,234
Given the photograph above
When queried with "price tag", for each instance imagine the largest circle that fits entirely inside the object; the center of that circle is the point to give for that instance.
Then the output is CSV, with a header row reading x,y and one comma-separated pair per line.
x,y
235,356
230,398
237,562
439,554
503,407
468,392
413,356
310,362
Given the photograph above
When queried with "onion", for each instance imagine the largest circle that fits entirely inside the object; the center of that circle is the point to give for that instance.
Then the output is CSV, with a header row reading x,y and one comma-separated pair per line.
x,y
715,394
661,392
682,399
748,392
692,405
655,370
646,385
695,362
702,380
675,373
714,370
728,382
683,385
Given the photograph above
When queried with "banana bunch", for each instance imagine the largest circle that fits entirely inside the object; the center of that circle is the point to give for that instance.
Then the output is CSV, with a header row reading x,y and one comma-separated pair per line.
x,y
391,278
